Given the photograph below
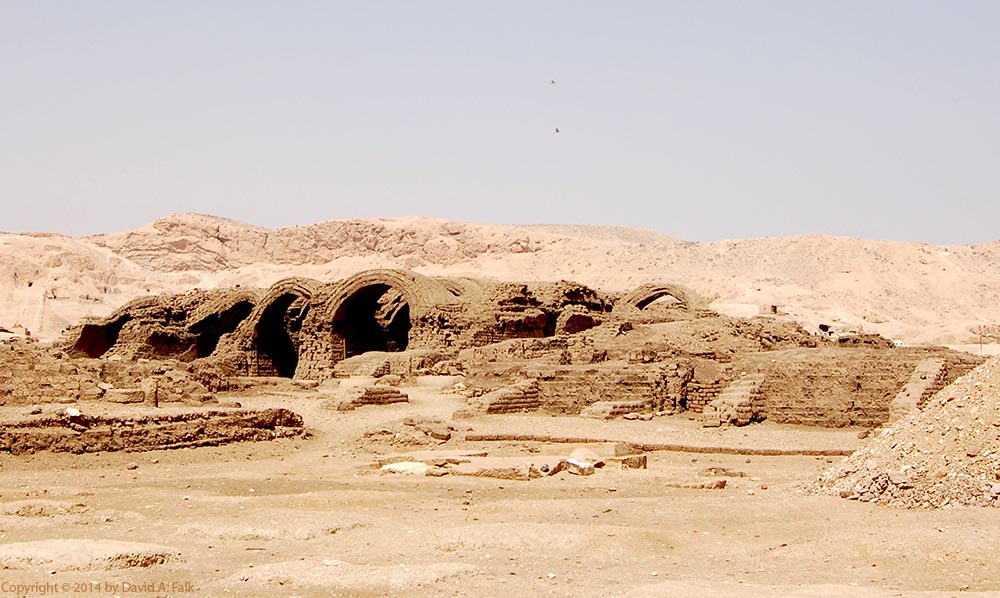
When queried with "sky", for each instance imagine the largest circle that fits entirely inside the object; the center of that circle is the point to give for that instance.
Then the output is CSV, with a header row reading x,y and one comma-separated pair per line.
x,y
702,120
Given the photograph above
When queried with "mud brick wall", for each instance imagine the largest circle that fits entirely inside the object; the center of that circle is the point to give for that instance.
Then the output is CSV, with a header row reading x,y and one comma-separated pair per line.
x,y
572,388
86,434
954,367
834,391
318,353
934,386
372,395
757,405
523,396
260,365
28,376
836,387
740,403
321,350
832,400
670,386
510,325
701,393
753,409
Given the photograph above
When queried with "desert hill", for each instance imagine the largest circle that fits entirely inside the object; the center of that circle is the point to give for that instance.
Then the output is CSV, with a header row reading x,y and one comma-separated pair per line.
x,y
909,291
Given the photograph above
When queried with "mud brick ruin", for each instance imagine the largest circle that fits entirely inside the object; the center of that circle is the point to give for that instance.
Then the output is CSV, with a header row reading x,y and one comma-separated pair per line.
x,y
557,346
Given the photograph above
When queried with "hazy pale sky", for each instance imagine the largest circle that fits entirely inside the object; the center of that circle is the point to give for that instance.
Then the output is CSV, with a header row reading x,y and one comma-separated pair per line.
x,y
699,119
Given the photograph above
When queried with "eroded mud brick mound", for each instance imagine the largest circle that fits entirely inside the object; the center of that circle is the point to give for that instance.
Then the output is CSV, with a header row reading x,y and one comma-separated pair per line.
x,y
369,395
80,433
948,453
521,396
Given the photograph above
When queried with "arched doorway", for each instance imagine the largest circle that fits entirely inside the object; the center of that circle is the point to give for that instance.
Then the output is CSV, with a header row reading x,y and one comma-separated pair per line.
x,y
211,328
375,317
97,339
277,335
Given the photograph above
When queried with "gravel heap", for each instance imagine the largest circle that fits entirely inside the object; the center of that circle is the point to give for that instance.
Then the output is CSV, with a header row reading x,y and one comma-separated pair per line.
x,y
946,454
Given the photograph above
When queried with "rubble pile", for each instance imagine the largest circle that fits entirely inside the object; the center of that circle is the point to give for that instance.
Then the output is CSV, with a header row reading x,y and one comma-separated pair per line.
x,y
947,454
410,432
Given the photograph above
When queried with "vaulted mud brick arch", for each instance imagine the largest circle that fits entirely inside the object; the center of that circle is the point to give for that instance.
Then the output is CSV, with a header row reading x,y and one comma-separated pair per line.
x,y
377,310
210,328
375,318
662,296
96,339
278,326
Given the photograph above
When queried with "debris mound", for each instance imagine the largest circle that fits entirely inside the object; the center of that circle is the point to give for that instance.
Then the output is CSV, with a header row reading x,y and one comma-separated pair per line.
x,y
947,454
410,432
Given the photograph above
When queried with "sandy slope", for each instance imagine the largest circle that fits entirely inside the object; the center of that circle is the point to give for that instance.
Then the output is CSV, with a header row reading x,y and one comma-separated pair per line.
x,y
910,291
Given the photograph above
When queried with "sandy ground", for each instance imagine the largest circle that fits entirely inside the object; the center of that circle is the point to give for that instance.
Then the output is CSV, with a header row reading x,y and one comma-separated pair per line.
x,y
312,517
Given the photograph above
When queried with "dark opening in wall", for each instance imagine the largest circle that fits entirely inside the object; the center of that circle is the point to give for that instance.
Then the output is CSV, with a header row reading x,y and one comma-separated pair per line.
x,y
277,335
210,329
661,300
97,339
577,322
550,324
375,318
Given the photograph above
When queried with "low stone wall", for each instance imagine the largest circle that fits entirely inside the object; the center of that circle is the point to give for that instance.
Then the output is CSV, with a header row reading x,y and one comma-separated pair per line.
x,y
81,433
378,363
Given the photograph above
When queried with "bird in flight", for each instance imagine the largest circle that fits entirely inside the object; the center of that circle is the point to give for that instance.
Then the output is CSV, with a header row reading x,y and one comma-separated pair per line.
x,y
553,82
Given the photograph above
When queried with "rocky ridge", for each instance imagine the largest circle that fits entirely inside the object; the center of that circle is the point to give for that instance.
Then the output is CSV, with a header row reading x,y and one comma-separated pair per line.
x,y
909,291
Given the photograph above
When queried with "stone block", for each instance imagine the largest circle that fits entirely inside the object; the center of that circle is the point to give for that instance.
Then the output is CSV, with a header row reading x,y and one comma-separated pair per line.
x,y
579,467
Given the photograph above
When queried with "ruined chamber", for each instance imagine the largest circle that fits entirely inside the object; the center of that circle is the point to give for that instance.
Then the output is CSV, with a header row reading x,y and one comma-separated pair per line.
x,y
574,349
302,328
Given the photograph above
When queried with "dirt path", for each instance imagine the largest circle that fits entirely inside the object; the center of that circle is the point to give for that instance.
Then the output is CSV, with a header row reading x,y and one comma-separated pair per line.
x,y
310,517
